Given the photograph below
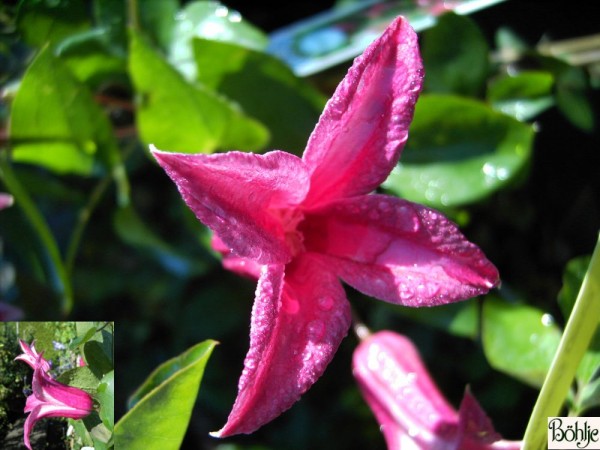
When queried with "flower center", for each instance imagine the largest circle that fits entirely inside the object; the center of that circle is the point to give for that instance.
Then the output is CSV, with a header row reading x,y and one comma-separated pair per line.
x,y
290,219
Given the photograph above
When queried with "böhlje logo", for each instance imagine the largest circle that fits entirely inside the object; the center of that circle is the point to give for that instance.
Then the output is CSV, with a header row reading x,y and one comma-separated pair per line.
x,y
573,433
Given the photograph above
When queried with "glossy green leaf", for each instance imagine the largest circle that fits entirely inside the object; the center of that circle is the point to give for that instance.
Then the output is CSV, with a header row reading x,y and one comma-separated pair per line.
x,y
455,55
571,91
459,151
265,87
522,96
209,20
106,397
572,98
177,116
162,406
519,340
45,22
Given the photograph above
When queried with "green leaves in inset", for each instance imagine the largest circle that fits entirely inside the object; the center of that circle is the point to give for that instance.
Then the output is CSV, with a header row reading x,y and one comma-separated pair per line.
x,y
459,151
162,406
519,340
455,55
177,116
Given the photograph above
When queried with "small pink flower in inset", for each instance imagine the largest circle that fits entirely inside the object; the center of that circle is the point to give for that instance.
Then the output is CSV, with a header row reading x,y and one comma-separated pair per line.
x,y
300,225
49,398
32,357
412,412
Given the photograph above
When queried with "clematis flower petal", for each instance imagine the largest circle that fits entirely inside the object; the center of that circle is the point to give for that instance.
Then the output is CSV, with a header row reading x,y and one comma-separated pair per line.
x,y
238,195
32,357
398,251
298,322
242,266
406,402
411,410
364,126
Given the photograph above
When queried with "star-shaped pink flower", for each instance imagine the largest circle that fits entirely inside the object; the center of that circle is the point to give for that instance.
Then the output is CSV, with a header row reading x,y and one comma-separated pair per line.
x,y
302,225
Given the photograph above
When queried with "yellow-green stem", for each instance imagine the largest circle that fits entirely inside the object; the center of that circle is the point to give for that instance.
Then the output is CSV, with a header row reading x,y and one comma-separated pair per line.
x,y
574,343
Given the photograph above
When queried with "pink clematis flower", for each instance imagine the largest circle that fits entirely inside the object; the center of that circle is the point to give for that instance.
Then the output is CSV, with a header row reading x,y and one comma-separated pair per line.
x,y
300,225
32,357
412,412
50,398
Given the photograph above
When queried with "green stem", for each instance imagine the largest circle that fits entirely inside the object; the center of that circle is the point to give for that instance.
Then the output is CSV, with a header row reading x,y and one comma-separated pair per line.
x,y
574,343
55,269
82,221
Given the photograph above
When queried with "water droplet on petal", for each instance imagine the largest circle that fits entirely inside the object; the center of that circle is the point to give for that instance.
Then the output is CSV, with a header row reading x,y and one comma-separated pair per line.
x,y
325,303
316,330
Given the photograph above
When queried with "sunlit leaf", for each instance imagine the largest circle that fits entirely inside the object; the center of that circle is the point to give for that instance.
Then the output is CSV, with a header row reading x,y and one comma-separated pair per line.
x,y
55,123
455,55
459,151
264,86
523,95
162,406
177,116
519,340
209,20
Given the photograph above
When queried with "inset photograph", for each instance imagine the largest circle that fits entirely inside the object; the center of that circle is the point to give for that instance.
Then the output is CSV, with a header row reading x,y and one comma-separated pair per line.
x,y
56,385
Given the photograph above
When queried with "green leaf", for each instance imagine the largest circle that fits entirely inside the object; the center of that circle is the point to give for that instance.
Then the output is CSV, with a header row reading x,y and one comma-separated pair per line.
x,y
265,88
209,20
589,396
45,22
519,340
571,283
162,406
55,123
455,56
177,116
571,91
80,377
159,20
459,152
106,397
99,362
522,96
